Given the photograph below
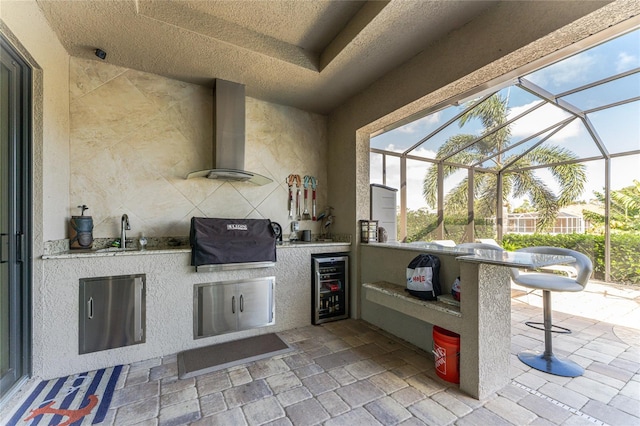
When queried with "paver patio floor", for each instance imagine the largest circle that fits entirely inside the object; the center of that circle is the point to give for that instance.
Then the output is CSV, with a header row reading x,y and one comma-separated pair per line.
x,y
351,373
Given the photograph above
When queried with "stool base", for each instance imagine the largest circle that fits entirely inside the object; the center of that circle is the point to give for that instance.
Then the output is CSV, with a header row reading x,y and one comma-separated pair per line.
x,y
551,364
553,329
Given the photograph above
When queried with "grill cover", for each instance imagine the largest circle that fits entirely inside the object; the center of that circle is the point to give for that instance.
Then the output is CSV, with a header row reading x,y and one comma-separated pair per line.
x,y
221,241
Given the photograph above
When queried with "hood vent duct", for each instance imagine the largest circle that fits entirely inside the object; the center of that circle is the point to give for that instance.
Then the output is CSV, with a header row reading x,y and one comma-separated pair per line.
x,y
229,136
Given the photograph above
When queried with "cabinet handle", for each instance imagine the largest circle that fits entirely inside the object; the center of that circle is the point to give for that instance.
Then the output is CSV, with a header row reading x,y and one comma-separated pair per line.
x,y
233,304
241,303
137,321
90,308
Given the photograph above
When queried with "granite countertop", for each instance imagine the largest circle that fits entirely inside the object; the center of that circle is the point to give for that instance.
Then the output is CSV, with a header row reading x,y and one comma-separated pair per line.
x,y
515,259
425,247
494,257
114,251
396,290
165,249
289,244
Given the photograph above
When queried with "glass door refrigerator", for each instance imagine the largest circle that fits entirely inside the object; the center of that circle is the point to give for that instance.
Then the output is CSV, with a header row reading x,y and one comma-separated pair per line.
x,y
330,287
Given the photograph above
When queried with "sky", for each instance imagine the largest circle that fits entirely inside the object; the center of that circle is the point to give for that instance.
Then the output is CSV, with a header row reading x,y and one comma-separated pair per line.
x,y
618,127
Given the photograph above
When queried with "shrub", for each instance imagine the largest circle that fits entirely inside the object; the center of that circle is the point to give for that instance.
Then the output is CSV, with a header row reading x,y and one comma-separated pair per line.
x,y
625,251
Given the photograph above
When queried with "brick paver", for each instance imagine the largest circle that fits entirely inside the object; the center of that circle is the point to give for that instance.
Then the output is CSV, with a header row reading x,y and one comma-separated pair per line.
x,y
333,403
510,411
387,411
308,412
432,413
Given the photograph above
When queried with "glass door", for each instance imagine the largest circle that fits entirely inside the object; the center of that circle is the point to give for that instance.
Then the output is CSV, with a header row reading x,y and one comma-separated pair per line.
x,y
15,213
330,287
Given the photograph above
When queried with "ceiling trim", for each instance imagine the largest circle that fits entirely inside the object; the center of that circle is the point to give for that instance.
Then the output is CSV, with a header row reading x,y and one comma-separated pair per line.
x,y
347,35
181,16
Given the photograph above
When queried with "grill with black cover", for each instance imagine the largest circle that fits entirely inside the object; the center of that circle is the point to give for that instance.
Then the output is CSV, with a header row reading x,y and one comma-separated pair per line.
x,y
216,241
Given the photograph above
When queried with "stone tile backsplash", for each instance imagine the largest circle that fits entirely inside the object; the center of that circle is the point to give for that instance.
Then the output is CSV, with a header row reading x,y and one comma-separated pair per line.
x,y
135,136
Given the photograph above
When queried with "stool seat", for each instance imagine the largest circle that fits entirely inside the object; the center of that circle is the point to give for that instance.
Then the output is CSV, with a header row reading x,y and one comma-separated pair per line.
x,y
548,282
551,282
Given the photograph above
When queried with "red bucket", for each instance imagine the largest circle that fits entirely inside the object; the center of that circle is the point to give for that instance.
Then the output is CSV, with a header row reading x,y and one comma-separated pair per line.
x,y
446,350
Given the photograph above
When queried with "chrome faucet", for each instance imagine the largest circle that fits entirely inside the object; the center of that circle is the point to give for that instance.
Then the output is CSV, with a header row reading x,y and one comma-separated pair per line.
x,y
124,227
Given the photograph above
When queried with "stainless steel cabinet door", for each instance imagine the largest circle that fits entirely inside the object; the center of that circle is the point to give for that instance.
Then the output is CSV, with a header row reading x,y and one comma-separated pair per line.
x,y
228,306
255,304
217,305
112,312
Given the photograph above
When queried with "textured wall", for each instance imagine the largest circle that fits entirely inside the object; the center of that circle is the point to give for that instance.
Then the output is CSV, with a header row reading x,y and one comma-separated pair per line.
x,y
135,136
51,115
394,270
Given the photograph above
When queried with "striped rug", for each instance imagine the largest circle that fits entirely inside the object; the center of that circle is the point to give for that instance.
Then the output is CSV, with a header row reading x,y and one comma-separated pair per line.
x,y
81,399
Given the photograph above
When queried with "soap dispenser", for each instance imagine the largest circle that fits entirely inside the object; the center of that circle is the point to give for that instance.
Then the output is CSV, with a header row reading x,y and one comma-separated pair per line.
x,y
81,230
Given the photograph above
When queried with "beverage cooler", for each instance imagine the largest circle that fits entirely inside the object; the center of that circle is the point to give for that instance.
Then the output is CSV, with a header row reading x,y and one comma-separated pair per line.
x,y
330,287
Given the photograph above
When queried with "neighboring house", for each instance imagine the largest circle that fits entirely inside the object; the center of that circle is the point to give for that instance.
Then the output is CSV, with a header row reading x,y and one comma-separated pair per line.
x,y
570,220
526,223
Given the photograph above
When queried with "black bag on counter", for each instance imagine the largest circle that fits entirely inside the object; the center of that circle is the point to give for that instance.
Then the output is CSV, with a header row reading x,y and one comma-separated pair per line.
x,y
221,241
423,277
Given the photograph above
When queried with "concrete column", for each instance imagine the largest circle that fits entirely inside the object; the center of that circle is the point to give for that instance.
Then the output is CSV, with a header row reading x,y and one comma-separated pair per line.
x,y
486,328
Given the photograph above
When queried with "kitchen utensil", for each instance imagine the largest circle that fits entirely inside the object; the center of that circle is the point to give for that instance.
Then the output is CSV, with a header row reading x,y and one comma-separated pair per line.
x,y
314,184
298,195
305,213
290,181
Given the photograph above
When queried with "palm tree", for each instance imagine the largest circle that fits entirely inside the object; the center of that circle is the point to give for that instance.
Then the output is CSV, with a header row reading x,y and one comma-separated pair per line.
x,y
493,112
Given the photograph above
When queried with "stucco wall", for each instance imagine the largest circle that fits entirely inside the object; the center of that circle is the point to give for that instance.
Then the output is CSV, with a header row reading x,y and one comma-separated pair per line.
x,y
51,171
135,136
114,138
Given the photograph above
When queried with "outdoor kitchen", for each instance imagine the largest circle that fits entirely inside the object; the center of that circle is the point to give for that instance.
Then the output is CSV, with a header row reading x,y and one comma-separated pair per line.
x,y
126,176
208,217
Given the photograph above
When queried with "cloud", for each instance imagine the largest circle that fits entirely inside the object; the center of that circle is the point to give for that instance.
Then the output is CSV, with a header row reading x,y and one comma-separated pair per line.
x,y
391,147
625,62
420,124
540,119
571,70
423,152
416,171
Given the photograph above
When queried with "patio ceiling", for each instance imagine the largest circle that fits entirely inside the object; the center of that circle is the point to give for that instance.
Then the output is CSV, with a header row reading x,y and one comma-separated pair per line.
x,y
311,54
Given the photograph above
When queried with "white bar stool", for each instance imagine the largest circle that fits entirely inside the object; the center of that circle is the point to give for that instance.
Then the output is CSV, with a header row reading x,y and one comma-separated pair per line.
x,y
548,282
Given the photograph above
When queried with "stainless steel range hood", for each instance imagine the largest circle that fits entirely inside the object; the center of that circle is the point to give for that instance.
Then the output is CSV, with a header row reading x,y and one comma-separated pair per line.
x,y
229,136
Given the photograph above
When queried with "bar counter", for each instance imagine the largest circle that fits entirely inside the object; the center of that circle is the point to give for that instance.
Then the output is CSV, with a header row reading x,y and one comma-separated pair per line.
x,y
484,318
